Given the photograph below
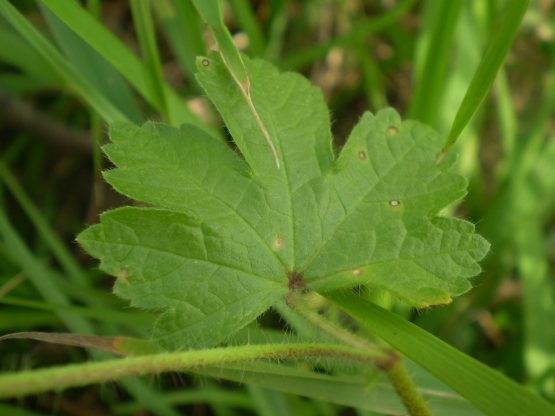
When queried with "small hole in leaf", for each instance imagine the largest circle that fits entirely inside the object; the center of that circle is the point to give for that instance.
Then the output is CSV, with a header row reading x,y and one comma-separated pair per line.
x,y
394,203
356,272
362,155
205,62
392,130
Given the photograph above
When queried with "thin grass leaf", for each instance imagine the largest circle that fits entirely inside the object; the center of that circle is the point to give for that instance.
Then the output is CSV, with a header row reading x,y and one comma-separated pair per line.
x,y
16,52
142,18
495,54
93,67
72,77
489,390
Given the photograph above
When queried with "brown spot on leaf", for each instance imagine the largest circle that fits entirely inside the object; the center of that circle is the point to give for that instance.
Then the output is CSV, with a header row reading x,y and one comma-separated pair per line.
x,y
362,155
205,62
394,203
356,272
392,130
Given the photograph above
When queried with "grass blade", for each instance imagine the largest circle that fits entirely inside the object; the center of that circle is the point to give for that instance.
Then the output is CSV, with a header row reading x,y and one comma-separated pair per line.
x,y
15,51
93,66
118,55
496,52
430,81
486,388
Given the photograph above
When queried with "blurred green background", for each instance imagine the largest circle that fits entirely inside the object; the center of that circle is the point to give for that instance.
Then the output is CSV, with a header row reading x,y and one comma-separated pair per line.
x,y
57,91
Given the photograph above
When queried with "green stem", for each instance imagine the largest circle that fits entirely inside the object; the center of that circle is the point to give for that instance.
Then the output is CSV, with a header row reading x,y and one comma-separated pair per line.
x,y
390,363
59,378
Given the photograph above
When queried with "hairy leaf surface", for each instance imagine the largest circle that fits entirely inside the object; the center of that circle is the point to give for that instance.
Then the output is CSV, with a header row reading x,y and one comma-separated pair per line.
x,y
229,233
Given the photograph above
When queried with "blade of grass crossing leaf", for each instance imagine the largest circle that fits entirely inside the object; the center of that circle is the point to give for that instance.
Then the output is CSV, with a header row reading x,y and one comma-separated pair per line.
x,y
494,56
242,10
487,389
118,55
142,18
92,66
210,11
73,78
430,85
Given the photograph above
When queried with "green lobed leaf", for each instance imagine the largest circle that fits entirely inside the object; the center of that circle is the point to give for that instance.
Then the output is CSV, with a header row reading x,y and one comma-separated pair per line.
x,y
229,236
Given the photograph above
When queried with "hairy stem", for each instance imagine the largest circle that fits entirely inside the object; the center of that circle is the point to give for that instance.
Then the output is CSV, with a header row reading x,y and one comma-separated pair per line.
x,y
75,375
406,389
390,362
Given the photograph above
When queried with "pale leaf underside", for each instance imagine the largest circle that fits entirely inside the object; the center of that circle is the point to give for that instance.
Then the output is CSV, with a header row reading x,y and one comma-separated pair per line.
x,y
228,234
